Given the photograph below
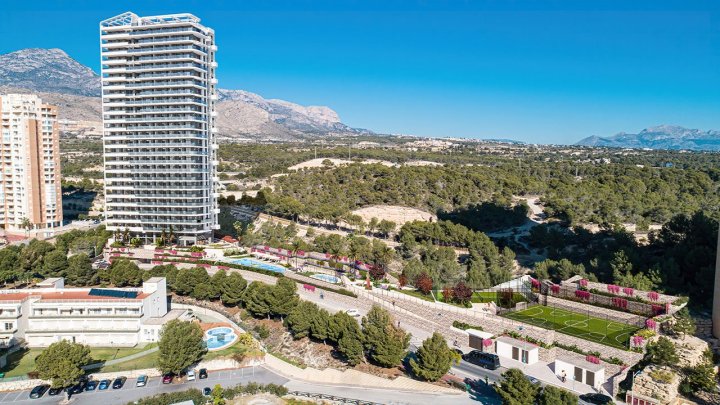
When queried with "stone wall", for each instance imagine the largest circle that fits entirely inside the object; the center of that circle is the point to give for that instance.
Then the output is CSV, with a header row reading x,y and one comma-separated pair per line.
x,y
567,290
662,298
597,312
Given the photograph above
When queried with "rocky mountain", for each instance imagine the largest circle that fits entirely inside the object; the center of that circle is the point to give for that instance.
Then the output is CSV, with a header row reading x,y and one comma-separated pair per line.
x,y
660,137
48,70
75,88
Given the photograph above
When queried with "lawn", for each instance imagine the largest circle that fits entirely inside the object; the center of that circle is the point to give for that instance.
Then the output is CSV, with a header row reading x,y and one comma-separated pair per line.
x,y
597,330
141,363
22,362
416,294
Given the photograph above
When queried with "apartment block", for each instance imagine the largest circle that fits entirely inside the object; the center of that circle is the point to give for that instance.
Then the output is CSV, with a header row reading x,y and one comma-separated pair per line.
x,y
93,316
158,100
30,190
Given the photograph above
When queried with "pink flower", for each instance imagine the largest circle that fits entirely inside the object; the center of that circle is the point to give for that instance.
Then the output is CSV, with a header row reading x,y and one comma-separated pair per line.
x,y
628,291
592,359
613,288
583,283
555,288
651,324
637,340
487,342
653,296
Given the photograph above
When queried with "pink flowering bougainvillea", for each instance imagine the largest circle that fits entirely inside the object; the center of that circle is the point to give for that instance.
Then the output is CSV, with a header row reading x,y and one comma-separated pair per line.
x,y
651,324
628,291
487,342
592,359
613,288
620,302
583,283
555,288
535,283
638,340
658,309
583,295
653,296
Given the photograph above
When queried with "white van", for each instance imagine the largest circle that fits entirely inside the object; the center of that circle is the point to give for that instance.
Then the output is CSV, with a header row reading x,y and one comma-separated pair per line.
x,y
191,375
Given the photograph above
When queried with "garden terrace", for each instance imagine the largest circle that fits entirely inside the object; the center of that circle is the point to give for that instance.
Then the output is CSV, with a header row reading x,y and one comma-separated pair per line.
x,y
574,292
650,297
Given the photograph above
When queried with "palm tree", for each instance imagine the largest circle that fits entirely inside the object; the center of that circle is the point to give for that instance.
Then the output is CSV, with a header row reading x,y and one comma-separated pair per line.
x,y
26,224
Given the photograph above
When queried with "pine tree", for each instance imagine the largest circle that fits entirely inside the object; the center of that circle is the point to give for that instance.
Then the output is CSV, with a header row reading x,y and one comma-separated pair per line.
x,y
255,299
516,389
346,333
556,396
283,297
299,319
320,324
477,276
61,363
181,345
662,352
386,344
232,289
434,358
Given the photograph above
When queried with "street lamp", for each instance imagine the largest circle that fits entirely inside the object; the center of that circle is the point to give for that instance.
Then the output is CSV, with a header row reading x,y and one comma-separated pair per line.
x,y
635,374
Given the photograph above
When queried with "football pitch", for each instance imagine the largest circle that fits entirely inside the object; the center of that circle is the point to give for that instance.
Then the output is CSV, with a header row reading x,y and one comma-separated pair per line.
x,y
598,330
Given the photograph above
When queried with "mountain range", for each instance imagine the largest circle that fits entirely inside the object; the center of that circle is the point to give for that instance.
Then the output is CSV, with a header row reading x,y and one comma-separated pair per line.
x,y
75,89
660,137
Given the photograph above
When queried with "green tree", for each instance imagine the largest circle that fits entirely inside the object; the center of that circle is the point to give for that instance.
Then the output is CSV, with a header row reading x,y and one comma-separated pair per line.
x,y
256,299
662,352
702,377
516,389
62,363
188,279
232,288
299,319
684,323
386,344
434,358
320,324
55,263
181,345
79,271
556,396
123,273
477,275
283,297
346,333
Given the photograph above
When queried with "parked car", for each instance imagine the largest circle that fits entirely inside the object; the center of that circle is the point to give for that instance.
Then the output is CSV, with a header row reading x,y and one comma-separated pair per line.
x,y
203,373
77,388
485,360
167,378
207,391
39,391
104,384
54,391
191,375
596,399
91,385
353,312
118,383
141,381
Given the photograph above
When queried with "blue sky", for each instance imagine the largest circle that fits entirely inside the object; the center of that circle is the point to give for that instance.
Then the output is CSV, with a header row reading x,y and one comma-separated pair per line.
x,y
538,71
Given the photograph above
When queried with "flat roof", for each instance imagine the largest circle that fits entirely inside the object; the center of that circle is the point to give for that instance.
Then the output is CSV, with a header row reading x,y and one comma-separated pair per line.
x,y
160,320
479,333
65,295
517,343
582,363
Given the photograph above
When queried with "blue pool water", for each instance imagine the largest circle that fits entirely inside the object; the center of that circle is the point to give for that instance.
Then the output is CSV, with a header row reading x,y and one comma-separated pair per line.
x,y
218,338
327,278
258,265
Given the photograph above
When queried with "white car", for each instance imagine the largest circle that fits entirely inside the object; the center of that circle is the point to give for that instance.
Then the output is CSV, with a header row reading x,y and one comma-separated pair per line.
x,y
353,312
191,375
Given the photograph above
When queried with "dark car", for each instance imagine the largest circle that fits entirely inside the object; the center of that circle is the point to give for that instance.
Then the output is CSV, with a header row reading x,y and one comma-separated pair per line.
x,y
76,389
118,383
39,391
104,384
207,391
596,399
202,374
54,391
167,378
91,385
485,360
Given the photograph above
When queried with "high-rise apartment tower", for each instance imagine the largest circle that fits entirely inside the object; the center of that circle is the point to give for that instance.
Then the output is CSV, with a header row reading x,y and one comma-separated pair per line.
x,y
30,193
158,98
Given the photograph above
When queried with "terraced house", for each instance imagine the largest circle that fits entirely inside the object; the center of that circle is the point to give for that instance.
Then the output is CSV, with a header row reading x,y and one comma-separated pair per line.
x,y
158,98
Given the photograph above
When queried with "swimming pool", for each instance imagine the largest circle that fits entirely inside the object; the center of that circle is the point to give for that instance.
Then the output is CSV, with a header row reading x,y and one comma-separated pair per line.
x,y
326,277
218,338
245,261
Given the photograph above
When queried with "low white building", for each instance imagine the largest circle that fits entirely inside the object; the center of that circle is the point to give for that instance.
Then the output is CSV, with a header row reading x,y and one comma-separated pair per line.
x,y
580,370
92,316
517,350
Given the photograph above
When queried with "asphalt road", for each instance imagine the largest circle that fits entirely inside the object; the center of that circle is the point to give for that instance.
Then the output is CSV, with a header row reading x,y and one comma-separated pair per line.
x,y
130,392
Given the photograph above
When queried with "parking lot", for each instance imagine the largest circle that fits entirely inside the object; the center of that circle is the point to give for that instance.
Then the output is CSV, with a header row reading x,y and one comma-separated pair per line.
x,y
129,392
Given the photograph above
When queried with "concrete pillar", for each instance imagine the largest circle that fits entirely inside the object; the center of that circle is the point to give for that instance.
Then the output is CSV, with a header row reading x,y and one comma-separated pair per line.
x,y
716,293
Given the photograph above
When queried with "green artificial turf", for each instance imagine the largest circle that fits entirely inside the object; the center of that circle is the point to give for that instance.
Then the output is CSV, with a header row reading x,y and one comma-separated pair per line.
x,y
598,330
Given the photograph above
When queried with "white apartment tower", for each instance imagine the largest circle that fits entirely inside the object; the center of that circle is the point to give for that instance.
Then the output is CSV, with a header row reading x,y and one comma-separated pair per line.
x,y
30,194
158,97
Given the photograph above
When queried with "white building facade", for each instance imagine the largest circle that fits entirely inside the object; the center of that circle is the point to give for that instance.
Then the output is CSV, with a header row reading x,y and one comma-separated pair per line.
x,y
159,94
94,317
30,193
